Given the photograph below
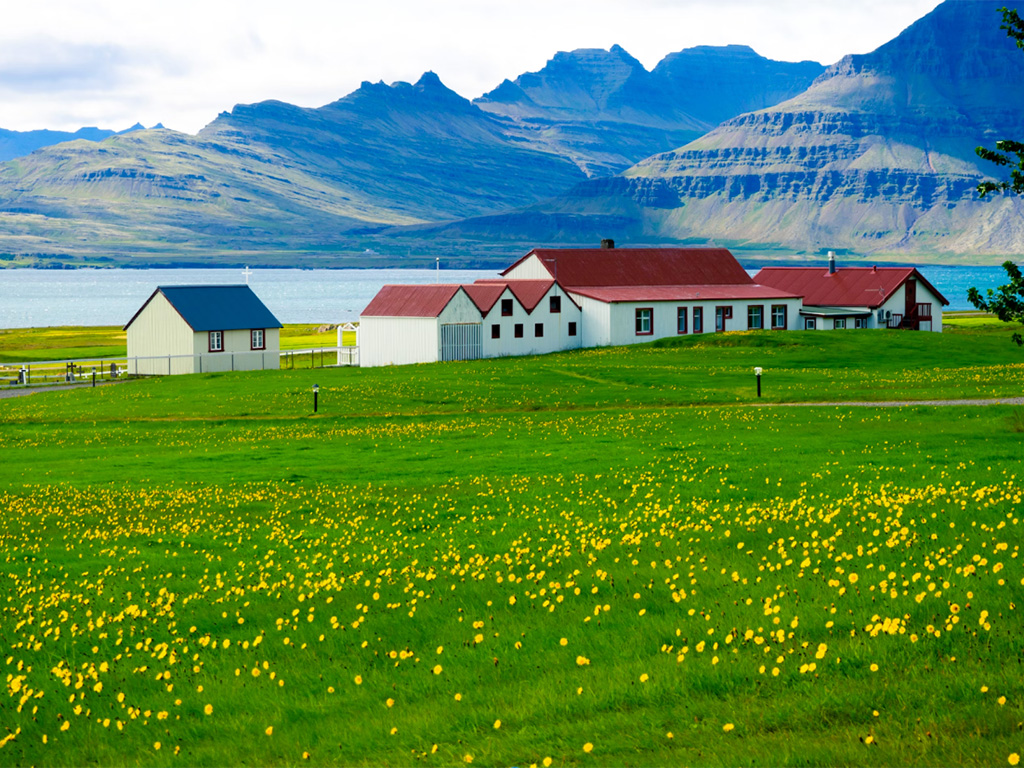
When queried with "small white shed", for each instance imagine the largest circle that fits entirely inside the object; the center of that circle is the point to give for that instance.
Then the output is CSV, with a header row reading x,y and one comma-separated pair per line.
x,y
202,328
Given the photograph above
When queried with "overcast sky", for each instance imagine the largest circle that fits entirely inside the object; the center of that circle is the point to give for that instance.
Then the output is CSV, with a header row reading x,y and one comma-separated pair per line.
x,y
110,63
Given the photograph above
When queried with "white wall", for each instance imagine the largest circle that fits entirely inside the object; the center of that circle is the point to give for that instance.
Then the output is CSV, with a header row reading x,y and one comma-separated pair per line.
x,y
897,304
237,354
615,324
556,326
531,269
159,331
397,340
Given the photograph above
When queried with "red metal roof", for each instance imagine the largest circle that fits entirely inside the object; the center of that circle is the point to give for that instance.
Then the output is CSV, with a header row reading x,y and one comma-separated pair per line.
x,y
410,300
847,287
591,267
484,296
528,292
682,293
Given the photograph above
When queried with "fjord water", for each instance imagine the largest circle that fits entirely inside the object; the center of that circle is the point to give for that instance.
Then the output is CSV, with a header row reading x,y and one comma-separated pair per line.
x,y
37,298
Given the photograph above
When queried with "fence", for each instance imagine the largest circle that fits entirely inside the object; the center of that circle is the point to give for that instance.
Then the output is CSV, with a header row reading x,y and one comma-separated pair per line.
x,y
101,369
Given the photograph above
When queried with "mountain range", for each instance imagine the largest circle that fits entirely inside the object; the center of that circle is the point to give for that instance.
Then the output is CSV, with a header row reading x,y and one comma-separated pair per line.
x,y
873,156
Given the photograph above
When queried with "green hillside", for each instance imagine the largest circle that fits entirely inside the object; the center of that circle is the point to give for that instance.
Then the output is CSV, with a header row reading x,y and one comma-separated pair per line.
x,y
605,557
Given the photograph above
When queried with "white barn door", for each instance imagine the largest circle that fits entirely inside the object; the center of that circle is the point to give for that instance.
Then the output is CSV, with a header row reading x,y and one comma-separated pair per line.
x,y
461,341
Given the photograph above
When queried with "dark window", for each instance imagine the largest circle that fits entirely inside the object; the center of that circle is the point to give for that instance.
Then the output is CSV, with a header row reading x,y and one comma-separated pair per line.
x,y
779,321
495,331
839,323
645,321
721,315
538,330
506,307
518,331
572,329
216,341
860,322
681,320
755,318
555,305
809,324
698,320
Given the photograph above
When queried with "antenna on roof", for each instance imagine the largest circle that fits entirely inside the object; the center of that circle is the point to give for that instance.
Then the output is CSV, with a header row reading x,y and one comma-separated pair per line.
x,y
437,269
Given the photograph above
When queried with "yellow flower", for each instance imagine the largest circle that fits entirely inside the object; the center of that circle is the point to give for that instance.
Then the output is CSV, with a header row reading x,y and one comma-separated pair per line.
x,y
546,762
582,661
359,679
563,641
644,678
390,702
1013,759
497,724
588,747
728,727
437,669
458,697
270,730
468,758
874,667
853,578
208,709
156,745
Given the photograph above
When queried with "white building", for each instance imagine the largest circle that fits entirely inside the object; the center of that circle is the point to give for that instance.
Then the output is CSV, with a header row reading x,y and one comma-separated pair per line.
x,y
427,323
202,328
633,295
860,297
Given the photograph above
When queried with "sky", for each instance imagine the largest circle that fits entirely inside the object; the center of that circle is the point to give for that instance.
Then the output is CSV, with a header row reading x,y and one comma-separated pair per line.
x,y
65,64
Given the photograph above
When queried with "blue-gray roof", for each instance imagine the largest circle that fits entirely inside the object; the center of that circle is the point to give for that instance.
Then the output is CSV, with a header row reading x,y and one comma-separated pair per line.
x,y
216,307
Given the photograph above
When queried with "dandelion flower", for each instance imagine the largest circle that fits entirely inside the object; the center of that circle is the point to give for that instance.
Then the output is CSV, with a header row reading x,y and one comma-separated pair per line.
x,y
359,679
458,697
588,747
1013,759
728,727
468,758
644,677
546,762
270,730
208,709
156,745
390,703
563,641
437,669
497,724
874,667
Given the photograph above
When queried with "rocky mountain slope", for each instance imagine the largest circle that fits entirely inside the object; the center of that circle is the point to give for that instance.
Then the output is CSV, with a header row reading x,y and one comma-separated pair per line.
x,y
876,157
277,178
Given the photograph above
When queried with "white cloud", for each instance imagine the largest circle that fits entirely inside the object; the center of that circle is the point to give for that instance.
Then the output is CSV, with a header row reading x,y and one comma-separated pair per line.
x,y
64,63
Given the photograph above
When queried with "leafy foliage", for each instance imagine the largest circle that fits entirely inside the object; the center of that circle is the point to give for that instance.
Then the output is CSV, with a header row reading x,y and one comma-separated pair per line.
x,y
1006,302
1005,150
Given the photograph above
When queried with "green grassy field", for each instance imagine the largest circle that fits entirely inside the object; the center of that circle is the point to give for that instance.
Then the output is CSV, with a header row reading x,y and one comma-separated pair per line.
x,y
609,557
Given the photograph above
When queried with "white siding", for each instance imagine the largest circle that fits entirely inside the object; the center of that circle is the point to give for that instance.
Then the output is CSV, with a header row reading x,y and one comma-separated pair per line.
x,y
556,326
397,340
597,323
237,354
159,332
530,269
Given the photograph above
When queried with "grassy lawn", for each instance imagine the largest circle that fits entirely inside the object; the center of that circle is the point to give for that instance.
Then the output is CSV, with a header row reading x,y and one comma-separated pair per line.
x,y
608,557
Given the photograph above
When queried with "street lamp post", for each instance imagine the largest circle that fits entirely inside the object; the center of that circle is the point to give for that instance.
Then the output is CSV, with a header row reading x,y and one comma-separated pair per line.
x,y
316,391
757,373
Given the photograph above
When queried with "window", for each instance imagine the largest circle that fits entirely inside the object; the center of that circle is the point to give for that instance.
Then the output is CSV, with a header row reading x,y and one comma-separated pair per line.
x,y
755,318
860,322
779,317
495,331
698,320
538,330
721,315
839,323
506,307
645,321
809,324
257,339
572,329
555,305
216,341
517,331
681,320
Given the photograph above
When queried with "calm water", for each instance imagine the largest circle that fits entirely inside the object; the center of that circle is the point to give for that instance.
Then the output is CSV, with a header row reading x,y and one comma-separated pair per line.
x,y
35,298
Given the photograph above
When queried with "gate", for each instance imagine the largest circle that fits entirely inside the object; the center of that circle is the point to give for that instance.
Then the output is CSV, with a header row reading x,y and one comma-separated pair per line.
x,y
461,341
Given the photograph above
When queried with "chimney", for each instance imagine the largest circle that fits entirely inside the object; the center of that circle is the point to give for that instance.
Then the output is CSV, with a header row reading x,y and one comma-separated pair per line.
x,y
607,243
831,262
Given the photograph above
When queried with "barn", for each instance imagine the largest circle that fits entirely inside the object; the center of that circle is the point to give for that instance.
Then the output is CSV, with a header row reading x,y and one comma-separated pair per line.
x,y
202,328
860,297
490,318
633,295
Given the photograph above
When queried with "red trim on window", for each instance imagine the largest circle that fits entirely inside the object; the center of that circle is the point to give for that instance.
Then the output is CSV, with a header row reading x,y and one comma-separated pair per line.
x,y
209,341
650,318
263,336
785,317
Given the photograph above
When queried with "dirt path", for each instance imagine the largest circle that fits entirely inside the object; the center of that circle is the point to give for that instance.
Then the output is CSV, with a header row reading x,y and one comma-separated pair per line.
x,y
20,391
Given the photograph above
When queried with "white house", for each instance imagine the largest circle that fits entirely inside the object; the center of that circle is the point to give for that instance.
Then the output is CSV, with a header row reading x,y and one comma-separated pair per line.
x,y
427,323
633,295
860,297
202,328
